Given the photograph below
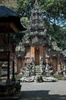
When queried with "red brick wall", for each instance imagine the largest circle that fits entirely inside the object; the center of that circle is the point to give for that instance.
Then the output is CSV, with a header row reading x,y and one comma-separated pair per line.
x,y
58,67
32,51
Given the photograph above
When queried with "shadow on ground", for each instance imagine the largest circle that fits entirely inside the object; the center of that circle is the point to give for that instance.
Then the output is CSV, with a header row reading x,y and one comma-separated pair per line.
x,y
40,95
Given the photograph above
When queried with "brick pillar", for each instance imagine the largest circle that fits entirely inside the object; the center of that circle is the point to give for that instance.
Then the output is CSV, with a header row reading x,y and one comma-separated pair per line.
x,y
32,51
58,63
58,67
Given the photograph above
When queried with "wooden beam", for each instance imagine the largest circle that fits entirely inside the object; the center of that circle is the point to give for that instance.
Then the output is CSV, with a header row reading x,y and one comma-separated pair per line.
x,y
13,26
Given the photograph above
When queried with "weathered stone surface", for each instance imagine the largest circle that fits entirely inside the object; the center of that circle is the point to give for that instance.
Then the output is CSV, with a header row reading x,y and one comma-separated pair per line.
x,y
50,79
27,79
38,79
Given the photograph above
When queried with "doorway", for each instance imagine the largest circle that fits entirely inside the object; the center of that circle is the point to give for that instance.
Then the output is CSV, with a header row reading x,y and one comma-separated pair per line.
x,y
37,55
55,64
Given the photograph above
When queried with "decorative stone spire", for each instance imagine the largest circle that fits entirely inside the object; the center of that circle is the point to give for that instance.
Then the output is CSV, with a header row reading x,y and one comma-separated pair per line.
x,y
36,21
36,28
36,2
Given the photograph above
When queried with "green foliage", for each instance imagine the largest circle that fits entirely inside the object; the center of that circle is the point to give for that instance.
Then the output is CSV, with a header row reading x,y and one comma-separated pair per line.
x,y
11,4
59,35
16,38
19,36
25,7
25,21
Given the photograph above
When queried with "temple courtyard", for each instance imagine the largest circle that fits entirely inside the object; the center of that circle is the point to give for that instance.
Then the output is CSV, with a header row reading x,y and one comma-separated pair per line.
x,y
30,60
43,91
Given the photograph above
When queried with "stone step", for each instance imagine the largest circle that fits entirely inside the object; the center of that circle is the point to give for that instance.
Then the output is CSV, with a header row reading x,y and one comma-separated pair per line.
x,y
37,70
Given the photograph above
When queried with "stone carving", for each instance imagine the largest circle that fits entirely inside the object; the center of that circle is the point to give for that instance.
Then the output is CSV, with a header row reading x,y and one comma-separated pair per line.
x,y
27,79
35,28
50,79
39,79
32,61
64,71
29,70
35,40
41,64
55,47
47,70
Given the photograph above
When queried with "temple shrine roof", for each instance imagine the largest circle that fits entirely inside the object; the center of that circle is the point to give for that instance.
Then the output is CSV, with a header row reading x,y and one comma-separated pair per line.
x,y
10,20
6,12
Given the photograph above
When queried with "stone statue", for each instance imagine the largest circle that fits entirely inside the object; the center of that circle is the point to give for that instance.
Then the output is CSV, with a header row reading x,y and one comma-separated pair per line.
x,y
41,65
47,70
32,61
27,71
64,71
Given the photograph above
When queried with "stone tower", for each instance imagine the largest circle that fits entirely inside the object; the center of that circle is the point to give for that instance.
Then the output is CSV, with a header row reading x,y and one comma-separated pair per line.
x,y
35,37
36,28
38,44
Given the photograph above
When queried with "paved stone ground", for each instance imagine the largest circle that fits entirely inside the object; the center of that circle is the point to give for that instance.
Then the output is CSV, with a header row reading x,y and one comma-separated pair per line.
x,y
44,91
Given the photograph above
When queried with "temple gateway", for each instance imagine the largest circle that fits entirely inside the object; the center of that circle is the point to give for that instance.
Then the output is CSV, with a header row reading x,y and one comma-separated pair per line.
x,y
37,45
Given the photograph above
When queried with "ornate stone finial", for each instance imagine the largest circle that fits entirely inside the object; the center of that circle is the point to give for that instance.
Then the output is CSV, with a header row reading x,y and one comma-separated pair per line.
x,y
36,2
